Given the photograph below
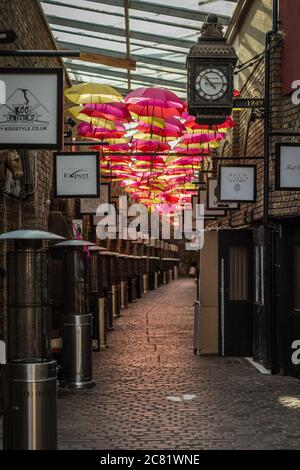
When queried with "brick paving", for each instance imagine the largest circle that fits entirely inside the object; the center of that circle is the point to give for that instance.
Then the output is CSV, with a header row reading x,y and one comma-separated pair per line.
x,y
229,404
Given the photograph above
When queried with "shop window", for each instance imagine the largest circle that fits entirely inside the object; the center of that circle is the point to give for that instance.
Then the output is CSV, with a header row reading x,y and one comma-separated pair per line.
x,y
239,273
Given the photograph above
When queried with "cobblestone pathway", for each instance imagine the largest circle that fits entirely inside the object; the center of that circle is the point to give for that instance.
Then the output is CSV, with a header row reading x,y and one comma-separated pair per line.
x,y
153,393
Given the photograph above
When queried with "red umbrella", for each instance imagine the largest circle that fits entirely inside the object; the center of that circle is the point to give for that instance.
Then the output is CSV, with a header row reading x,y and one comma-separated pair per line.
x,y
148,109
150,146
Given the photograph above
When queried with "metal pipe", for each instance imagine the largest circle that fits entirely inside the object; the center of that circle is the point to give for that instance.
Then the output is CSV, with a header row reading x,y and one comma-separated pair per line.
x,y
127,34
92,143
268,239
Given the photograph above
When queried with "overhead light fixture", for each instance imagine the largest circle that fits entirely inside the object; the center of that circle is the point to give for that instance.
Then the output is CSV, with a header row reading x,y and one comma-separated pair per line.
x,y
7,37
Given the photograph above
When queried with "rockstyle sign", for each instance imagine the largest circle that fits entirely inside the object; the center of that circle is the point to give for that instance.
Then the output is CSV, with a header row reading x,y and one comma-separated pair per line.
x,y
31,116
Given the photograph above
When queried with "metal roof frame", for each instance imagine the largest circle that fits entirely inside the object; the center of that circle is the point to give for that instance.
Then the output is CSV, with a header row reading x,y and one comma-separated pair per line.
x,y
160,54
138,58
113,31
123,75
166,10
58,29
120,15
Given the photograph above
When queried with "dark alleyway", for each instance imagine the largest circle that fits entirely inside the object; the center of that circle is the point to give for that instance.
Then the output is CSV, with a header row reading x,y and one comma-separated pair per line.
x,y
153,393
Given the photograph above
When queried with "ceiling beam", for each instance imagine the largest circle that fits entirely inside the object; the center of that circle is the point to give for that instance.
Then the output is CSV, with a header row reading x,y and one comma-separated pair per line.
x,y
140,45
105,29
110,61
171,64
176,12
122,75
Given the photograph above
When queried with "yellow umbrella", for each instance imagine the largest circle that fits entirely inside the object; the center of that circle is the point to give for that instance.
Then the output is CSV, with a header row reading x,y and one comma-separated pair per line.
x,y
92,93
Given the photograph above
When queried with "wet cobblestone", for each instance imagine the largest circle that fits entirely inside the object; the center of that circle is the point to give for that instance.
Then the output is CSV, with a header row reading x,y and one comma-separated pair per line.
x,y
149,363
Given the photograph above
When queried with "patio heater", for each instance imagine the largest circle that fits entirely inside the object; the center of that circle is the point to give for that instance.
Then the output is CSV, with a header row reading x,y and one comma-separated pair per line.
x,y
77,370
115,285
106,299
170,264
145,274
137,269
123,266
30,374
97,299
137,274
132,283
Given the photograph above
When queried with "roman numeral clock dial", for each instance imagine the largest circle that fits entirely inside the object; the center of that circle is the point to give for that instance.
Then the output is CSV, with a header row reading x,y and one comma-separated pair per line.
x,y
211,84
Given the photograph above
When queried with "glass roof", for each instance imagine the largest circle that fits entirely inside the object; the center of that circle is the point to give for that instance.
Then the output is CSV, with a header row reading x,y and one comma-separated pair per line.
x,y
161,34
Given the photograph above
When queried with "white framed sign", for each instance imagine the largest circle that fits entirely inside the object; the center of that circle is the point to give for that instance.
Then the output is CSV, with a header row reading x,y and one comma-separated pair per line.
x,y
89,206
237,183
287,167
213,202
76,175
32,115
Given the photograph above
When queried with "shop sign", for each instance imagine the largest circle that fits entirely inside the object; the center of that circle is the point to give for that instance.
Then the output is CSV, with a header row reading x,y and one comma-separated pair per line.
x,y
213,202
90,205
287,167
76,175
237,183
31,115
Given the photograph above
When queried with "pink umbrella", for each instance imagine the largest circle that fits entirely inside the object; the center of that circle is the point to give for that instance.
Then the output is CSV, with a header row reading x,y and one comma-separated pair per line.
x,y
153,108
112,111
201,138
113,147
150,146
155,93
86,130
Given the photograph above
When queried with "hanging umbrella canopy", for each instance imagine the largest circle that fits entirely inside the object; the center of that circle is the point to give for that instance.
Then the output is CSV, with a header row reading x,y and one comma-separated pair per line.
x,y
86,130
76,113
115,111
149,108
85,93
155,95
201,138
150,146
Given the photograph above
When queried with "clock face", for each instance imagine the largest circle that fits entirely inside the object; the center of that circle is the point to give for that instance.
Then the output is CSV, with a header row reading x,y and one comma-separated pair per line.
x,y
211,84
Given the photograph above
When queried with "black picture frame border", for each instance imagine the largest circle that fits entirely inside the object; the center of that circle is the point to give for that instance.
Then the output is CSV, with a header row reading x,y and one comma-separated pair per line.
x,y
211,212
278,147
109,197
60,73
244,201
79,196
215,178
